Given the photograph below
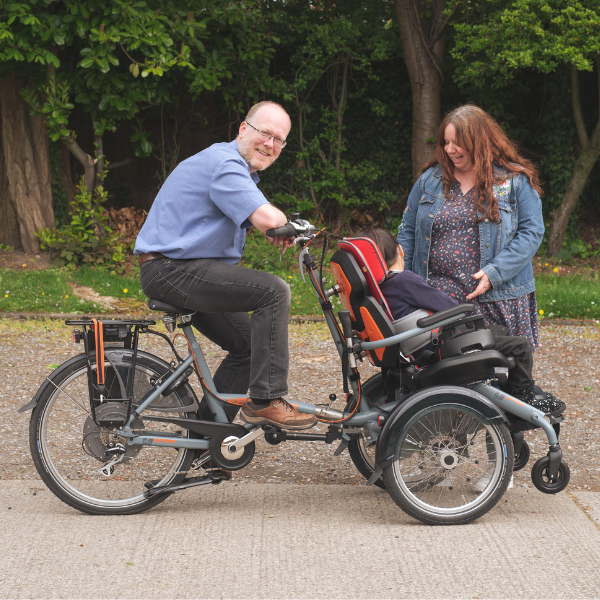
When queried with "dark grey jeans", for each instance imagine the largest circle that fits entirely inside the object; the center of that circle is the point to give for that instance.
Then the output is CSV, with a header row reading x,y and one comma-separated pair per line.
x,y
223,294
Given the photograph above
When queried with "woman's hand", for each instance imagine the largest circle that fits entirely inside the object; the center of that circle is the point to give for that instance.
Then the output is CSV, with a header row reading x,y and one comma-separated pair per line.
x,y
484,284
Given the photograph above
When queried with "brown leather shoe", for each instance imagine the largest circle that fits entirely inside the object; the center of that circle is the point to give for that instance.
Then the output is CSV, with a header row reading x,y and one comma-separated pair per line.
x,y
278,412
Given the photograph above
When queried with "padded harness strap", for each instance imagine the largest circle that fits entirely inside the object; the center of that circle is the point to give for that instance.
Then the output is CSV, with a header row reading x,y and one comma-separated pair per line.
x,y
99,340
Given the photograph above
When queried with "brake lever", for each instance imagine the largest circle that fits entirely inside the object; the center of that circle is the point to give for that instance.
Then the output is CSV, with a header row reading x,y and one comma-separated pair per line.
x,y
301,262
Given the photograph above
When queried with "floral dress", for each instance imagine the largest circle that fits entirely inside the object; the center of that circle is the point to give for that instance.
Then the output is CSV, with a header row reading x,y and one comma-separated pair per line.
x,y
455,257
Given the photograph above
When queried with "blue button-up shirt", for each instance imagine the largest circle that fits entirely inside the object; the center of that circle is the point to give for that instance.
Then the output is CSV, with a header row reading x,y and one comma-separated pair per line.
x,y
203,207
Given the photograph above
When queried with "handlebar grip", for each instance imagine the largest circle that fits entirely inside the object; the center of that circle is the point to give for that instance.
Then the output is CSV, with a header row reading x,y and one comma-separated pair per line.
x,y
344,316
287,230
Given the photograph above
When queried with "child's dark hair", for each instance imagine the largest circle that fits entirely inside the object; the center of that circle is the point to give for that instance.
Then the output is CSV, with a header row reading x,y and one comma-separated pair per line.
x,y
385,242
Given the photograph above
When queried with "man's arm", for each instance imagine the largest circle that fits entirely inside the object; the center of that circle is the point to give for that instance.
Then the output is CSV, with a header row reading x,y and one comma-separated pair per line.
x,y
267,217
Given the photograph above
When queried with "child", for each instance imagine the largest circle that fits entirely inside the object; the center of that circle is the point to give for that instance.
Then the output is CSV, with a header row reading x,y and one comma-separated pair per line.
x,y
406,292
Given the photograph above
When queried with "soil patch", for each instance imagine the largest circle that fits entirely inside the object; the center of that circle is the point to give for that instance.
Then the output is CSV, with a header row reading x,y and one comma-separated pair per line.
x,y
19,261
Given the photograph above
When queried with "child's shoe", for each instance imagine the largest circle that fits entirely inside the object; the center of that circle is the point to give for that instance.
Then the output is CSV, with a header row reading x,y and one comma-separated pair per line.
x,y
541,400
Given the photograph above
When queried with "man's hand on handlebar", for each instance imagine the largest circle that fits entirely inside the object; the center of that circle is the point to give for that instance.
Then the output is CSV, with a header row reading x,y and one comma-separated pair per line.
x,y
283,241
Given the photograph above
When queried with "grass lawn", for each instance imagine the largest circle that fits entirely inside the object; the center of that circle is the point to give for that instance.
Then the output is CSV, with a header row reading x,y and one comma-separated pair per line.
x,y
50,291
568,297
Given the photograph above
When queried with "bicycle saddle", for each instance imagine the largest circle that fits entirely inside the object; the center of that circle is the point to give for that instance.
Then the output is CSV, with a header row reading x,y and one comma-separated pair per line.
x,y
154,304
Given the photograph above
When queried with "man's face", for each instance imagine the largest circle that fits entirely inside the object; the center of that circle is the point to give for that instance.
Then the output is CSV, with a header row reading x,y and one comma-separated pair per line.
x,y
260,154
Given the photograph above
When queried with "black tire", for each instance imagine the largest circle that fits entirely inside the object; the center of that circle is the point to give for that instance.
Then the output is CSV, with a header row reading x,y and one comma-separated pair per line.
x,y
451,465
539,476
522,458
362,454
66,445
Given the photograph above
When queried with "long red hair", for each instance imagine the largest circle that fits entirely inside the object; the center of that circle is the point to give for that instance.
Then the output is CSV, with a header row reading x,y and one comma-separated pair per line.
x,y
478,133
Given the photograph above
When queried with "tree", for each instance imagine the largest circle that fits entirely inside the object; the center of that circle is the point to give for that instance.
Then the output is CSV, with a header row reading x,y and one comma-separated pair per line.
x,y
543,35
423,25
25,194
332,49
113,60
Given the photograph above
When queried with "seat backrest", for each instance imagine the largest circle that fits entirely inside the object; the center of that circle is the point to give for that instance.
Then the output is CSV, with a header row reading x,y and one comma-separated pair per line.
x,y
352,283
358,268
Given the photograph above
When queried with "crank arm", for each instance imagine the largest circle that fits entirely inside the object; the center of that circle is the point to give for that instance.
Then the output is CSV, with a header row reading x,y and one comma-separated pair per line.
x,y
250,437
186,483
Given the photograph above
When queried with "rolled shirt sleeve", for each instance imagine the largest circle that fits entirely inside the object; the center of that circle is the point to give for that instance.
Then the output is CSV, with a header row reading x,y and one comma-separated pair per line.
x,y
234,192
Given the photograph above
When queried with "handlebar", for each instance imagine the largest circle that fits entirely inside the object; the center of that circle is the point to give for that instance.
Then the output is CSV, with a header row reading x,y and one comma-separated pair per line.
x,y
287,230
294,228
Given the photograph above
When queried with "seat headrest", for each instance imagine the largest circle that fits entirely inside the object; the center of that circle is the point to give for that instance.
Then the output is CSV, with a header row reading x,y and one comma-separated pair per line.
x,y
371,263
367,253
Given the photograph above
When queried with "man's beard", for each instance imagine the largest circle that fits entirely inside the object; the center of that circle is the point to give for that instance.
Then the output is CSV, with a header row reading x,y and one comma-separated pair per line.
x,y
246,150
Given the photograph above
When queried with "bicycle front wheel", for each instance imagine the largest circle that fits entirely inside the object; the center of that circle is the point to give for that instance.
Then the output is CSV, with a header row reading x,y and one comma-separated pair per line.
x,y
69,449
451,465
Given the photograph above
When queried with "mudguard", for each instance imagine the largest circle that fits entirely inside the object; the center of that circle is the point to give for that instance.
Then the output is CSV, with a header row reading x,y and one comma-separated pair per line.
x,y
55,375
447,394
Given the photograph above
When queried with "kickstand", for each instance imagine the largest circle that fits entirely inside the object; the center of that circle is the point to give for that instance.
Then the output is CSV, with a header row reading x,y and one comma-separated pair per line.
x,y
343,445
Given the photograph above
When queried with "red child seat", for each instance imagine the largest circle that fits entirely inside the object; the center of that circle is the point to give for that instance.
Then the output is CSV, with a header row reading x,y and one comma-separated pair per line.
x,y
358,268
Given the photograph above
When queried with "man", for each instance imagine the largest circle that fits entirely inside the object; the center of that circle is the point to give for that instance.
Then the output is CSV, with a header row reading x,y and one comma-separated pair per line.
x,y
189,248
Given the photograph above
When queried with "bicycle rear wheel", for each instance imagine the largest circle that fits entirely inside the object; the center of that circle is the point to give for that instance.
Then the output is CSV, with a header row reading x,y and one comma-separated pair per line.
x,y
68,448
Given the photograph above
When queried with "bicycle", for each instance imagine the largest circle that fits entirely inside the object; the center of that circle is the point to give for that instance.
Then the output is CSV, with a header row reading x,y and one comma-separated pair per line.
x,y
115,430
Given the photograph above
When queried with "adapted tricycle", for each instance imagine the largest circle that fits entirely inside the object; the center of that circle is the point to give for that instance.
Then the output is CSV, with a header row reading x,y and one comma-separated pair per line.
x,y
115,430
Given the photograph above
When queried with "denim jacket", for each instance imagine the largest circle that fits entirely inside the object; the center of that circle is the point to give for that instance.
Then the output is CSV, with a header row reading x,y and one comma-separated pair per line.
x,y
506,248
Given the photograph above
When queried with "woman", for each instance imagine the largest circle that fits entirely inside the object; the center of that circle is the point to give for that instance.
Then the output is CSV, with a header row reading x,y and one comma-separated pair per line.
x,y
473,222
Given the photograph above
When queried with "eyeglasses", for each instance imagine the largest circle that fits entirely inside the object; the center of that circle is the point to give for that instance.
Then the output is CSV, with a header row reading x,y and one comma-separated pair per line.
x,y
265,136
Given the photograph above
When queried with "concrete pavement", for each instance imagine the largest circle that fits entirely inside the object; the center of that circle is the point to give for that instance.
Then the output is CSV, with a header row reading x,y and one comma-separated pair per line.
x,y
295,541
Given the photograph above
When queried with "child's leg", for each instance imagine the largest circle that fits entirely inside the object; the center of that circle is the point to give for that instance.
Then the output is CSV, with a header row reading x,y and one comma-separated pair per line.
x,y
520,377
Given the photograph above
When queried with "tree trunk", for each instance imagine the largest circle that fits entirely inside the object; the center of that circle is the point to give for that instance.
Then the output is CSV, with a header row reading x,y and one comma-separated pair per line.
x,y
423,49
584,164
88,163
66,175
25,182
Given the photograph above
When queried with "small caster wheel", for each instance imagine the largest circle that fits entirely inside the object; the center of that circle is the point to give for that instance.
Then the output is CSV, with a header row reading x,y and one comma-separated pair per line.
x,y
522,458
541,480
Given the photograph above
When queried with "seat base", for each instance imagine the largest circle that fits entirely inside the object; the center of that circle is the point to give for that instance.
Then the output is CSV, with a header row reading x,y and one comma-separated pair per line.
x,y
457,370
155,304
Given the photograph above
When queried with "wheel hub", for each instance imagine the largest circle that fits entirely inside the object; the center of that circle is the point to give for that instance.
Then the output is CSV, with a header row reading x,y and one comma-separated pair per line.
x,y
448,459
97,441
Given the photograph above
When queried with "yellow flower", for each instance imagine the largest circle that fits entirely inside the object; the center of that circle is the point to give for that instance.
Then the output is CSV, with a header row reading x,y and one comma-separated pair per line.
x,y
67,296
6,295
125,291
289,277
546,265
541,312
43,293
555,269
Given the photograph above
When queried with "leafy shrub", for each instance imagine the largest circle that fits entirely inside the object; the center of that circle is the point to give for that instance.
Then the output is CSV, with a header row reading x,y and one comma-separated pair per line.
x,y
260,254
85,239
